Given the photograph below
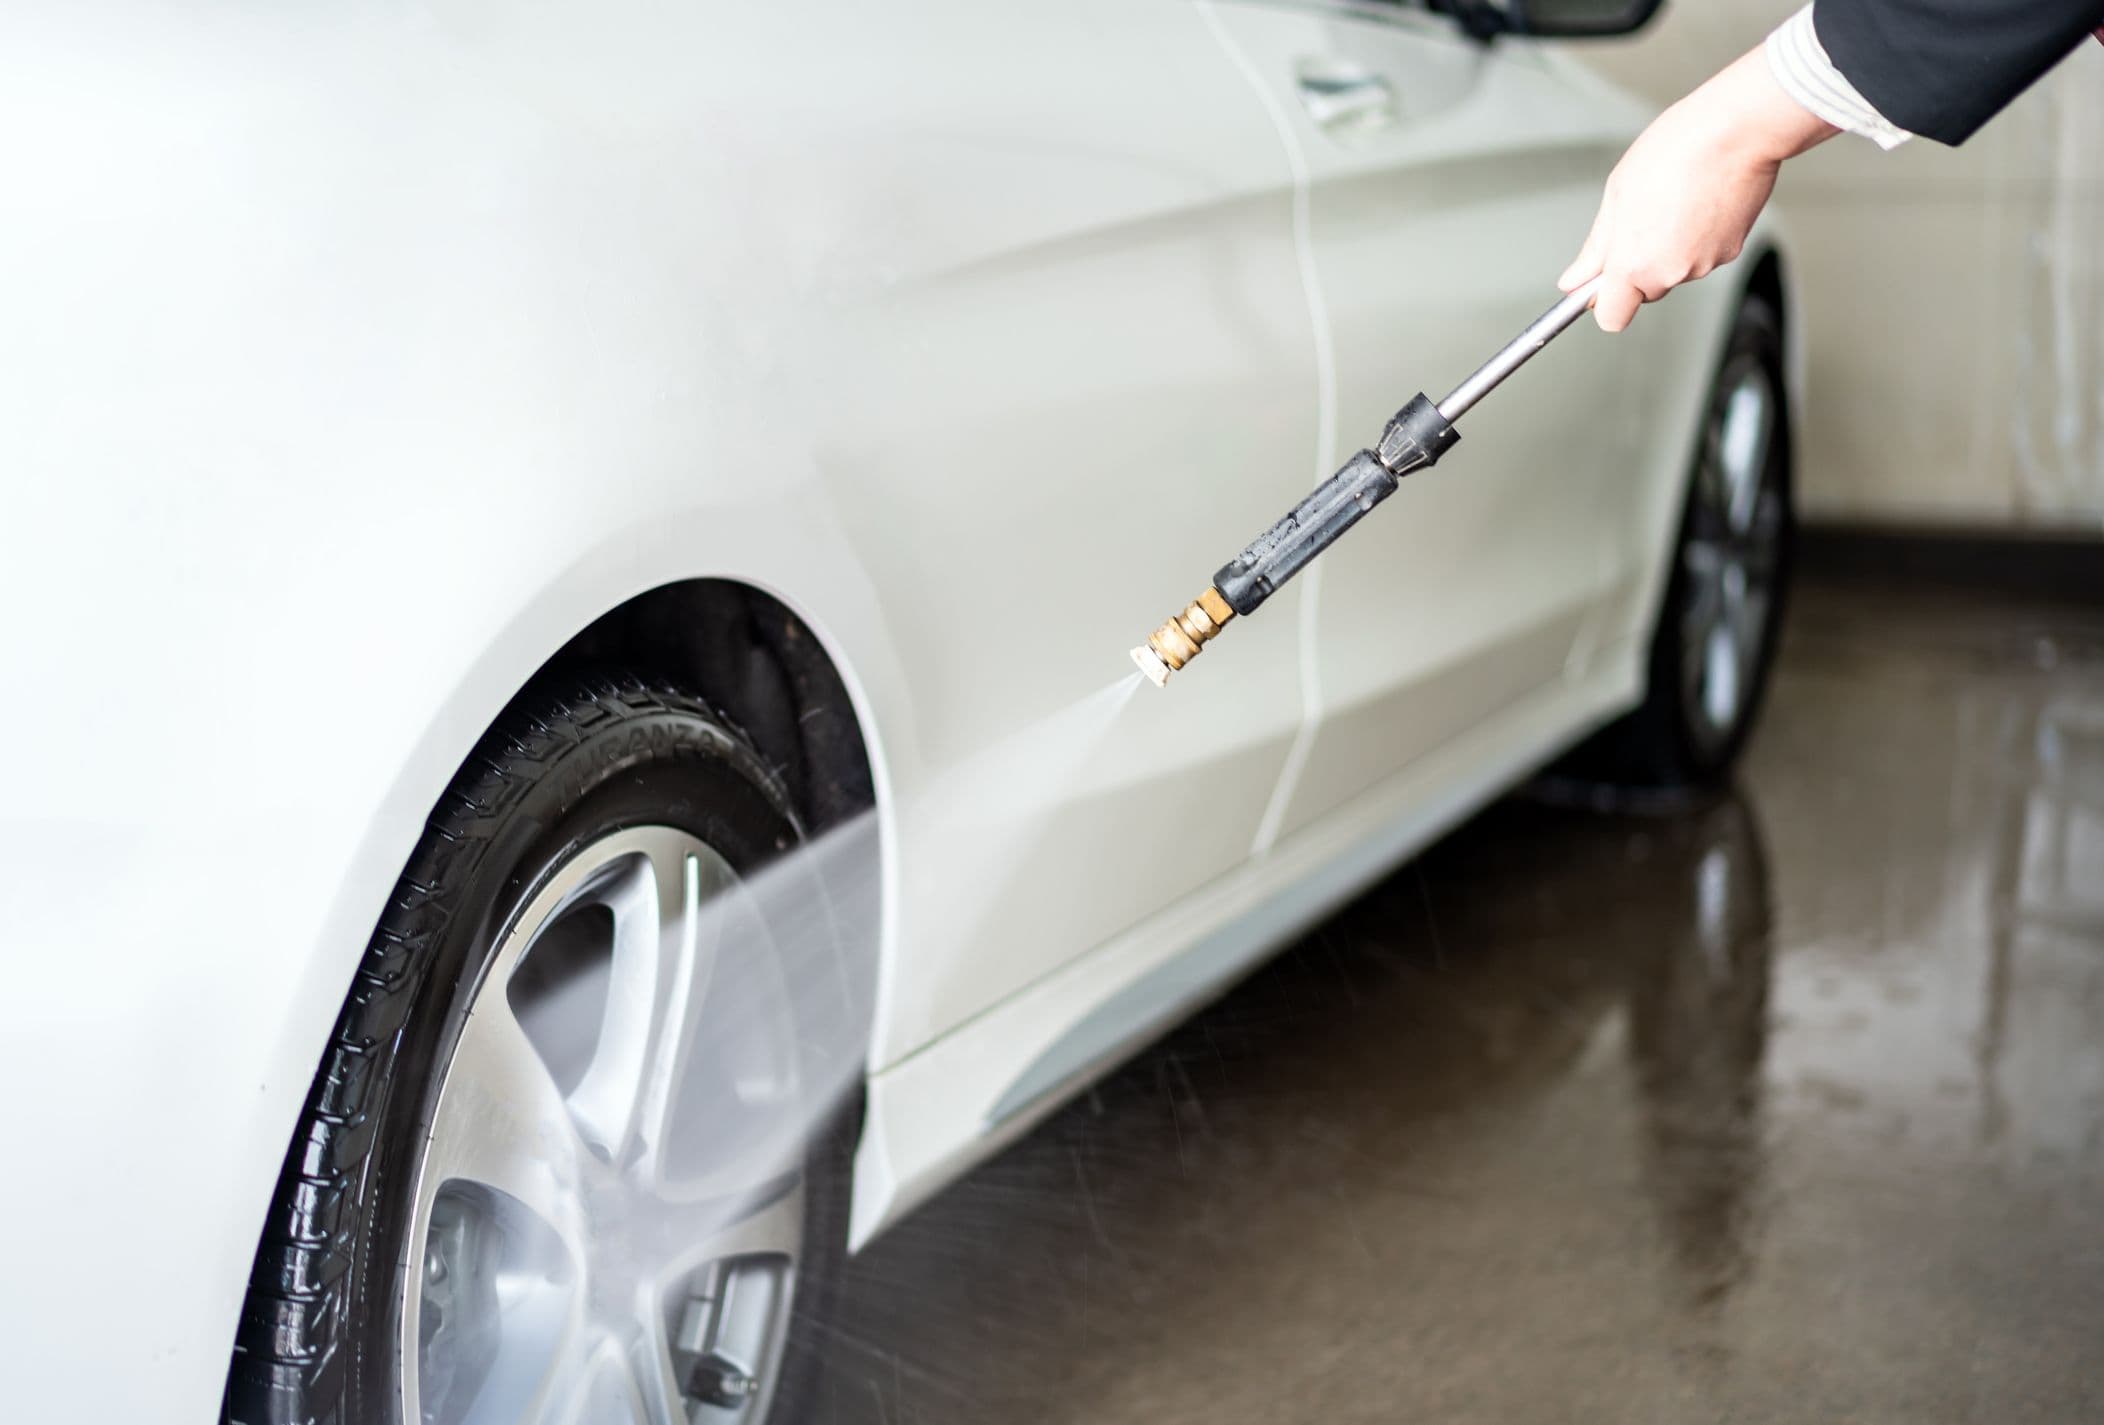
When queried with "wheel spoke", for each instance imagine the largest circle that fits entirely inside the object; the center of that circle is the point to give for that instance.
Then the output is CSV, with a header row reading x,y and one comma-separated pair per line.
x,y
606,1393
1728,656
501,1123
657,973
657,1382
709,901
721,1108
1745,429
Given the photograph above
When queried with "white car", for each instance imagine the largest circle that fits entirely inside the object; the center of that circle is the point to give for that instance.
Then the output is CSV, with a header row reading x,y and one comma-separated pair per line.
x,y
486,479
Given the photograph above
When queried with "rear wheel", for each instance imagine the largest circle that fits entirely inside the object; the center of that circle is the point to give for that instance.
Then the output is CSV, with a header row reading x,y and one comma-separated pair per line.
x,y
559,1163
1714,643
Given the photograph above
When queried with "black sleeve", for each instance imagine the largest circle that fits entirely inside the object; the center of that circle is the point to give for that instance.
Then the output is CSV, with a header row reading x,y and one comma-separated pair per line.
x,y
1942,68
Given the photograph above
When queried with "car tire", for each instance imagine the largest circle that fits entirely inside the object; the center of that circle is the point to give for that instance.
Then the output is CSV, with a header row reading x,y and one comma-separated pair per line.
x,y
582,797
1713,645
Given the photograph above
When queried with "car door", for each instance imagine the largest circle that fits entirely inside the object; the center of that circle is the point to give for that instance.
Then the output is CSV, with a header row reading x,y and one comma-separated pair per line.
x,y
1070,369
1450,182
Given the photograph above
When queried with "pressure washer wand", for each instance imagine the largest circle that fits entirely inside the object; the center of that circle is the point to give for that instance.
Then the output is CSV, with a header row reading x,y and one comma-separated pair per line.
x,y
1416,437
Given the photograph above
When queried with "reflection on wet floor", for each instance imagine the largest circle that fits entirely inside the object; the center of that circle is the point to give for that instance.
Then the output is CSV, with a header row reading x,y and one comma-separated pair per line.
x,y
1788,1107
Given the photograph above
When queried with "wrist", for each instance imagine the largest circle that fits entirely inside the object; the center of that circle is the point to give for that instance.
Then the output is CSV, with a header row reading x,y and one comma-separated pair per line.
x,y
1750,119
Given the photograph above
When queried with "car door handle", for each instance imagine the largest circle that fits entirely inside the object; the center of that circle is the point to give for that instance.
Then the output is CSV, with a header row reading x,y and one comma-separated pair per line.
x,y
1341,95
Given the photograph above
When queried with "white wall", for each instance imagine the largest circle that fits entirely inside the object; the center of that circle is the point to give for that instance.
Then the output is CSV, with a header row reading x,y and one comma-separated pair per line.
x,y
1954,299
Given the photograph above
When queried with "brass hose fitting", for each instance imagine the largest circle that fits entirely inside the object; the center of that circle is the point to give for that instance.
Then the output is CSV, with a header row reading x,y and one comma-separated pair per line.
x,y
1182,638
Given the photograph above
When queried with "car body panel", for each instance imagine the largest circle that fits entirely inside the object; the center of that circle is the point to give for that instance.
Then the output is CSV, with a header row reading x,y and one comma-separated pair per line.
x,y
1112,279
374,354
1439,223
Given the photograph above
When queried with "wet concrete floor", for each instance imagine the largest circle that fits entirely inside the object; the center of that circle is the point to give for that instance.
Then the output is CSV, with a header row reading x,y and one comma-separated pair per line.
x,y
1789,1107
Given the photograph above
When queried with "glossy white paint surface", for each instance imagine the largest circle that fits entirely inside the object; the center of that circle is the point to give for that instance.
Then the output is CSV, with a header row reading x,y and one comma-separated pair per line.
x,y
354,358
1097,295
1436,228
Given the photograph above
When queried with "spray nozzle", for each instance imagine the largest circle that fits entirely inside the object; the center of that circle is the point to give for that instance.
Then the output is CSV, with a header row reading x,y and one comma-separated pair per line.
x,y
1183,637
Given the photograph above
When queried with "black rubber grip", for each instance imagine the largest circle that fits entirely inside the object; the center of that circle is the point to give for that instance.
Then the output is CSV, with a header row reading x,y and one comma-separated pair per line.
x,y
1284,550
1417,436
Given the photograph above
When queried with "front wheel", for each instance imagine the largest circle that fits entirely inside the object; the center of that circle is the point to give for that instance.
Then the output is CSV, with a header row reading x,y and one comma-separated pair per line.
x,y
1714,643
559,1162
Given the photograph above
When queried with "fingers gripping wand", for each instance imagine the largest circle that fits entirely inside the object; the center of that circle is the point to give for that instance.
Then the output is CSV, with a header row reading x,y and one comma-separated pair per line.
x,y
1417,436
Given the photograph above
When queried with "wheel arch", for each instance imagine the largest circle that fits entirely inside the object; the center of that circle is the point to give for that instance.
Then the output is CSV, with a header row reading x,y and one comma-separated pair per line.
x,y
1765,279
785,680
744,649
763,664
1772,279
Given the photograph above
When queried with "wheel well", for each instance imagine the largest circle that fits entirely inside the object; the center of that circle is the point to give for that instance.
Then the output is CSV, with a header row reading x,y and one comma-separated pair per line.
x,y
751,656
1767,282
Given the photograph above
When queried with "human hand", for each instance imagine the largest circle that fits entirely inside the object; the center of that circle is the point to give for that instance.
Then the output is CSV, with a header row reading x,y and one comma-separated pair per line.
x,y
1680,203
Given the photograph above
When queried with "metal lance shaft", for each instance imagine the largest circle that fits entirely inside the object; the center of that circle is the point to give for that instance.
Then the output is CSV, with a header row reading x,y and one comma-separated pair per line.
x,y
1416,437
1517,352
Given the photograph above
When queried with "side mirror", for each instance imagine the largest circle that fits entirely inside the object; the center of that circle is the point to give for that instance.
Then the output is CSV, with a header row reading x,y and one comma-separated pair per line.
x,y
1580,19
1550,19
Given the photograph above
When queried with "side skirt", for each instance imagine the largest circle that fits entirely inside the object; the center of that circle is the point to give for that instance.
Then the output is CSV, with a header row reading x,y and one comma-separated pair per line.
x,y
960,1099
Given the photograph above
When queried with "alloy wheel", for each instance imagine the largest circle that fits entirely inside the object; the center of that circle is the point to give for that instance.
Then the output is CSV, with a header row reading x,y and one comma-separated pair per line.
x,y
609,1212
1731,555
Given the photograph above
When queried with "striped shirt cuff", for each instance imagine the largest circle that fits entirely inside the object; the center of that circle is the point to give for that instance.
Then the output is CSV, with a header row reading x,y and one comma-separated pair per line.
x,y
1800,65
